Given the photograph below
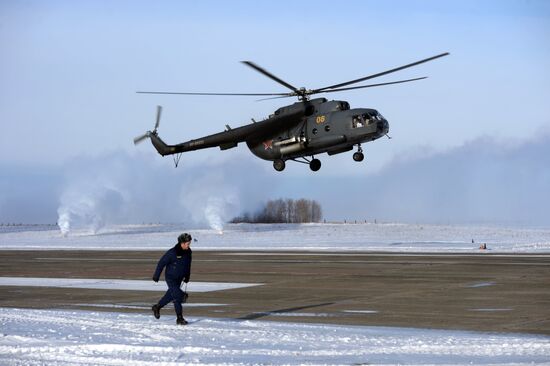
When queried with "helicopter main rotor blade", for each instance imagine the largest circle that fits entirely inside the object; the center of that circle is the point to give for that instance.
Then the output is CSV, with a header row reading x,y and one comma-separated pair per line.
x,y
271,76
315,91
353,87
232,94
289,95
373,85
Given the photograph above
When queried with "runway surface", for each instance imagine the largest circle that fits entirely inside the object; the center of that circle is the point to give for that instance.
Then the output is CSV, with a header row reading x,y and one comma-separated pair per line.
x,y
503,293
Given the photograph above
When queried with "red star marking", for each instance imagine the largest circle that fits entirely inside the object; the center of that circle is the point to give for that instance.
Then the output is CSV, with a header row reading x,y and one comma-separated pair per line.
x,y
268,145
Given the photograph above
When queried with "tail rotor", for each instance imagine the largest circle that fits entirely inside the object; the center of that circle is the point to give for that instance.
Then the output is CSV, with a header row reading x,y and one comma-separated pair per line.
x,y
148,134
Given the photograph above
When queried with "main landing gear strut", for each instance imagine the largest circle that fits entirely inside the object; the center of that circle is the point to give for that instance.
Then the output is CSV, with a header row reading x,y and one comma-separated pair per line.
x,y
314,164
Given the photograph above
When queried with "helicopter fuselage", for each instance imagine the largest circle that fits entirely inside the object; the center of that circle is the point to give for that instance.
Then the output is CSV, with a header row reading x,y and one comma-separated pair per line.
x,y
302,129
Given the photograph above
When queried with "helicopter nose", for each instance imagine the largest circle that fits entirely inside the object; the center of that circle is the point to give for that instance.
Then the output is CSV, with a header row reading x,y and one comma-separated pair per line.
x,y
383,127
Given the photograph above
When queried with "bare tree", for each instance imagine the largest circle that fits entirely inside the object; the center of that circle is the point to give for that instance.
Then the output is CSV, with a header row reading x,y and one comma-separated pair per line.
x,y
302,210
316,212
285,211
291,210
281,211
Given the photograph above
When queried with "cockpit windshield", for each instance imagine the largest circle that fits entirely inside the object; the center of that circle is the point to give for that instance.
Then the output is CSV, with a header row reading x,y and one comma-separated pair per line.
x,y
374,115
365,119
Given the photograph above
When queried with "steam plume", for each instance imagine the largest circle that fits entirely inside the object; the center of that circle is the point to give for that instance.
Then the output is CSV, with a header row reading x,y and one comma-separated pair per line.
x,y
119,188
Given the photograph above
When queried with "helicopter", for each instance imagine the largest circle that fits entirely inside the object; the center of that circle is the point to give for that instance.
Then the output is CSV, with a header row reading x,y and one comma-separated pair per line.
x,y
296,132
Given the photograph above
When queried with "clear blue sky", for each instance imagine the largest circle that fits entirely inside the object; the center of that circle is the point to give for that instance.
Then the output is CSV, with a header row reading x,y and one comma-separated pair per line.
x,y
69,71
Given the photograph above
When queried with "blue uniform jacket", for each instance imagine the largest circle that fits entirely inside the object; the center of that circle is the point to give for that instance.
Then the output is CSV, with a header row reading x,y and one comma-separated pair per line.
x,y
177,262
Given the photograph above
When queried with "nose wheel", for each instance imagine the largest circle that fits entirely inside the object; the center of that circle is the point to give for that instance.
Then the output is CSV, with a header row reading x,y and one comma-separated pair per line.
x,y
358,156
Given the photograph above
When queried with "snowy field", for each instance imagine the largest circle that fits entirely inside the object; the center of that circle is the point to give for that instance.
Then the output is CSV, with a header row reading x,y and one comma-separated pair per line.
x,y
55,337
271,237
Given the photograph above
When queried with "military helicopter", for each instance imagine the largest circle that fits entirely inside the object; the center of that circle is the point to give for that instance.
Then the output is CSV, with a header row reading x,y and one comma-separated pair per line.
x,y
296,132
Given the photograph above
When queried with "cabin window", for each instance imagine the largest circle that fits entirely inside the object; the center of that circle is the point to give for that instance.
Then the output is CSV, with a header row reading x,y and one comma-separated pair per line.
x,y
327,128
314,131
359,121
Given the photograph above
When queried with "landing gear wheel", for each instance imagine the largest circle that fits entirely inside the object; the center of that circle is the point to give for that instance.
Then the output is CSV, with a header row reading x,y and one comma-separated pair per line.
x,y
358,156
315,165
279,165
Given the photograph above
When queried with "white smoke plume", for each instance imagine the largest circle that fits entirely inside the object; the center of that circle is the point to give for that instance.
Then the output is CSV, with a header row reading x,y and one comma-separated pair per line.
x,y
212,198
92,197
90,206
119,188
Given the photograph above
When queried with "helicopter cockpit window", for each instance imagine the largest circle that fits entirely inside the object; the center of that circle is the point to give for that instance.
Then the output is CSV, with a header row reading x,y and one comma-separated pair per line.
x,y
344,106
358,121
365,119
373,116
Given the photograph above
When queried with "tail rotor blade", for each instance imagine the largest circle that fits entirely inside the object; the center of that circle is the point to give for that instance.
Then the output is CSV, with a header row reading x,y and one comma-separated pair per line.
x,y
139,139
159,112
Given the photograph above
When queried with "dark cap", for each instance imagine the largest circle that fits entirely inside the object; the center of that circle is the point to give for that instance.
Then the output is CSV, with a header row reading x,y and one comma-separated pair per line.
x,y
184,238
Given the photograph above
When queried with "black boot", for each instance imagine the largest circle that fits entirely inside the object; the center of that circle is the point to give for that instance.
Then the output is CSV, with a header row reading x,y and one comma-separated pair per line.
x,y
156,310
181,321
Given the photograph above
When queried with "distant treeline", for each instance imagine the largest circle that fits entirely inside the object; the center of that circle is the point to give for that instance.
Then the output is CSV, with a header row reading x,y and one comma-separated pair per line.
x,y
284,211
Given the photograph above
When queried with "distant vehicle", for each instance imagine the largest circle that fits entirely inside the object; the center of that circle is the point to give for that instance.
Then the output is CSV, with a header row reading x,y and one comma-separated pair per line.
x,y
298,131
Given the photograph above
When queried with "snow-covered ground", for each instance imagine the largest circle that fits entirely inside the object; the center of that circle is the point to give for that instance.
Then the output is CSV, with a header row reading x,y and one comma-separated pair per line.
x,y
271,237
56,337
62,337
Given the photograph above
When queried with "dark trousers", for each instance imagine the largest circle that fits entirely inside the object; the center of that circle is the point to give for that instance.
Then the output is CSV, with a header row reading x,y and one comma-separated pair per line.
x,y
173,294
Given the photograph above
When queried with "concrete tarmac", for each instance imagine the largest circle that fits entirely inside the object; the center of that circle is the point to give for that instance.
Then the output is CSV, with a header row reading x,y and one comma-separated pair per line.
x,y
487,292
